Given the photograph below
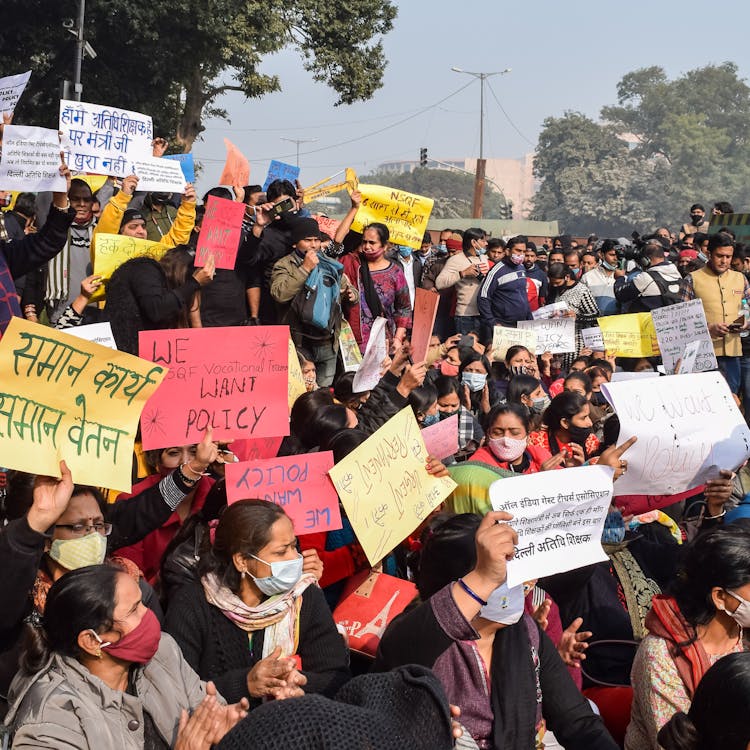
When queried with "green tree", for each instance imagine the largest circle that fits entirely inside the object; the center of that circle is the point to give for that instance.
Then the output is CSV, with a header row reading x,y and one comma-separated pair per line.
x,y
173,60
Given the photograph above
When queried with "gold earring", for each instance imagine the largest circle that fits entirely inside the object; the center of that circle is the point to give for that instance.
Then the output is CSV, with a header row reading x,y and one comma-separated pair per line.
x,y
98,653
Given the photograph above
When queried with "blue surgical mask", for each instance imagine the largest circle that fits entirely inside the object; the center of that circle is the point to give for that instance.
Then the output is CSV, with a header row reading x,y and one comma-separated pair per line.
x,y
404,251
702,257
609,266
475,380
442,248
538,405
430,419
284,575
482,250
614,528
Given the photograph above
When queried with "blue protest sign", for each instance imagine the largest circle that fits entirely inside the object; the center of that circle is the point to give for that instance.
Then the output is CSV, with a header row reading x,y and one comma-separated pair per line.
x,y
186,163
277,170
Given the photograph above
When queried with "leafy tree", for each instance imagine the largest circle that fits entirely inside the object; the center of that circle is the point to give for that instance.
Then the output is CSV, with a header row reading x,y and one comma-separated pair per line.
x,y
173,60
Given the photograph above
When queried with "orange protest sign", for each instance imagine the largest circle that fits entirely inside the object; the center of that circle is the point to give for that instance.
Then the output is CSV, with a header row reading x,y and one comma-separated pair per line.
x,y
425,310
236,168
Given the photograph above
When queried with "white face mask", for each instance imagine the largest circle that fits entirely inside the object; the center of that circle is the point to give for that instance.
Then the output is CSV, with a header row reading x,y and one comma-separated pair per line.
x,y
284,575
504,605
507,448
741,615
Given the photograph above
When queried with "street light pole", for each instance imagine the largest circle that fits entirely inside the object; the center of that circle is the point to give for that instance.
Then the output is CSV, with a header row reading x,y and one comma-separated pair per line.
x,y
80,43
297,141
479,178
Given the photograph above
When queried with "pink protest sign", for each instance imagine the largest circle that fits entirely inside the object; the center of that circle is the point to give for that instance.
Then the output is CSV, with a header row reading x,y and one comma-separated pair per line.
x,y
299,484
441,439
256,448
221,232
425,310
329,226
233,380
636,504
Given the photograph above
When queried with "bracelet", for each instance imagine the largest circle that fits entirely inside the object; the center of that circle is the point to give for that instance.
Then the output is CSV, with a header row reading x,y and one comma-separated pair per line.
x,y
192,470
185,478
473,595
64,209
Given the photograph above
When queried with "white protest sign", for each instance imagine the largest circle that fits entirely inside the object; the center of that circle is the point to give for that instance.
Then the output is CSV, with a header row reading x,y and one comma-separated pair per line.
x,y
97,333
556,335
31,160
559,519
504,338
690,357
677,326
688,428
592,339
620,377
161,175
368,374
104,140
555,310
11,88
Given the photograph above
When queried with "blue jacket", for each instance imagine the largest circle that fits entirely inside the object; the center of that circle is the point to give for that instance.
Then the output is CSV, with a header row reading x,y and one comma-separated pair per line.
x,y
502,298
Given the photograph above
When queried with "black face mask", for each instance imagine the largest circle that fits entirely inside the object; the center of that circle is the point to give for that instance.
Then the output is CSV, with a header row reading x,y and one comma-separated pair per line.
x,y
597,398
447,414
696,219
579,434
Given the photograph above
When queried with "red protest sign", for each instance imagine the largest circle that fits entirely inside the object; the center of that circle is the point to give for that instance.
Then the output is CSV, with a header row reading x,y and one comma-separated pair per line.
x,y
233,380
636,504
425,310
326,225
256,448
236,168
221,232
441,439
299,484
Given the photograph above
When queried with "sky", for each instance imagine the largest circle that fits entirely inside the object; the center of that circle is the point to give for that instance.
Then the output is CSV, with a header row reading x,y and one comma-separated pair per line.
x,y
563,56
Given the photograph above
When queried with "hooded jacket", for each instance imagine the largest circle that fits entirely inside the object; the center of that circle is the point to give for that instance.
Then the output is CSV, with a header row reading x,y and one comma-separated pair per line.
x,y
642,292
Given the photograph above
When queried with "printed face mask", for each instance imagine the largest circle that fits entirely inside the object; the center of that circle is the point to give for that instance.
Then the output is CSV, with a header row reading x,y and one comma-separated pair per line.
x,y
284,574
475,380
614,528
72,554
504,605
517,259
507,448
430,419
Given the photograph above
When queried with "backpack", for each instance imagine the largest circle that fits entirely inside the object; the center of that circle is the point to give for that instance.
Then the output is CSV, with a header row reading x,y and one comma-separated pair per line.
x,y
666,295
317,306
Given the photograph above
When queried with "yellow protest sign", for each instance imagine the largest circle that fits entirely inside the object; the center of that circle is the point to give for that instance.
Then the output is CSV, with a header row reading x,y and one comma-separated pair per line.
x,y
631,335
94,181
503,338
294,374
62,397
405,214
385,488
321,188
112,250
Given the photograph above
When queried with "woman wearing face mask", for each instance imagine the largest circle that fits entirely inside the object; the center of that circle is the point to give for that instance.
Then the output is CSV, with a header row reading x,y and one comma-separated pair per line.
x,y
473,375
98,673
690,630
424,404
255,624
567,427
470,432
382,287
492,660
599,409
527,391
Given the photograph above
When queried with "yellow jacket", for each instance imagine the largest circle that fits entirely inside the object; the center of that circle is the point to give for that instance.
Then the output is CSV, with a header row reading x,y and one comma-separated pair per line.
x,y
109,222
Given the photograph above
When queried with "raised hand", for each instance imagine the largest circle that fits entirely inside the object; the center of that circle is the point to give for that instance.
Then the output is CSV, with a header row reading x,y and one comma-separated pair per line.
x,y
50,499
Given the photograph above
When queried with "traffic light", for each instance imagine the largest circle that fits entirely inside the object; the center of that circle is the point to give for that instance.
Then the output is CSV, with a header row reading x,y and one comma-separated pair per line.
x,y
422,157
506,211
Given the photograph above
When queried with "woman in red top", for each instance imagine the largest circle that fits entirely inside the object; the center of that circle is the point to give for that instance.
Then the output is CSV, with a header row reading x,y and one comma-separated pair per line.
x,y
508,445
568,428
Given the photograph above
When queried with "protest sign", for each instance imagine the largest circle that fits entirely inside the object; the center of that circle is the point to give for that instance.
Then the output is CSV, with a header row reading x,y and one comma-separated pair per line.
x,y
405,214
187,164
236,168
425,310
559,524
631,505
326,225
277,170
504,338
325,187
96,333
233,380
351,356
112,250
385,488
221,232
592,339
676,327
554,335
688,428
295,382
65,398
31,160
689,359
253,449
160,175
11,88
441,439
555,310
299,484
104,140
631,335
619,377
368,374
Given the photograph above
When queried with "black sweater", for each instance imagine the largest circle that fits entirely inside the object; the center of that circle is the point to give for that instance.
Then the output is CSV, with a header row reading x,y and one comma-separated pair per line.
x,y
218,650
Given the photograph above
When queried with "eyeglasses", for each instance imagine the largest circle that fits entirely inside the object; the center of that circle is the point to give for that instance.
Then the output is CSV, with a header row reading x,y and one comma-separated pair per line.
x,y
82,529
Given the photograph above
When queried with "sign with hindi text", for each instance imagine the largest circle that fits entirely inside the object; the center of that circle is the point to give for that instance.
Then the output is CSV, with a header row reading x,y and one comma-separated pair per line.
x,y
630,335
277,170
505,338
31,160
112,250
187,164
62,397
159,175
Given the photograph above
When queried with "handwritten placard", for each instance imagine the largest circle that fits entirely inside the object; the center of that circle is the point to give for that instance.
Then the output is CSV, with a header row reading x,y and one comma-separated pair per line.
x,y
295,381
104,140
327,225
425,310
112,250
555,310
504,338
554,335
233,380
236,168
592,339
62,397
631,335
187,164
368,373
385,488
299,484
254,449
680,325
351,356
689,359
441,439
688,428
31,160
97,333
163,175
405,214
220,233
559,527
11,88
278,170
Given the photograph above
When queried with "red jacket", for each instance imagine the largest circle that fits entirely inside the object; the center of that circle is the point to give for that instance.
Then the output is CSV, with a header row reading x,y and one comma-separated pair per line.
x,y
536,454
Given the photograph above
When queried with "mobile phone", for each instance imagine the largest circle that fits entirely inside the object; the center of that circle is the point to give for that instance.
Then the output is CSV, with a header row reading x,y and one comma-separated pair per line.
x,y
737,325
282,206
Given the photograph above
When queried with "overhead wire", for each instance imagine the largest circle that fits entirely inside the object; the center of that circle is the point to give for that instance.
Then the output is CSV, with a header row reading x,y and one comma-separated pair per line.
x,y
507,116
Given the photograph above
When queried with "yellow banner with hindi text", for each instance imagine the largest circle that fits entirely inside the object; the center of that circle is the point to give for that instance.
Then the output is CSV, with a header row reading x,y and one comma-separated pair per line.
x,y
112,250
630,335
